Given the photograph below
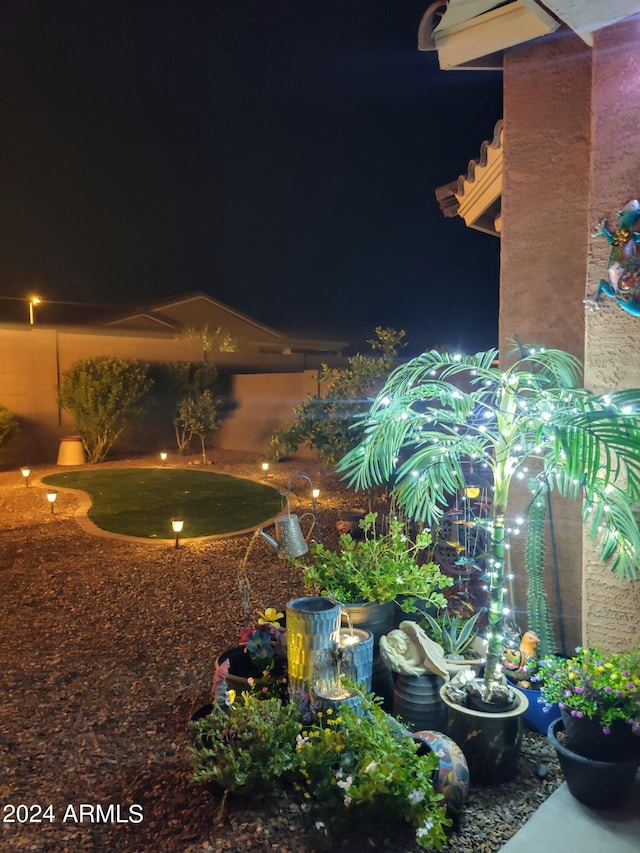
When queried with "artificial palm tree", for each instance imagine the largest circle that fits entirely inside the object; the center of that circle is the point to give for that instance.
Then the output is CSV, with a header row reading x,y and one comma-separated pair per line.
x,y
441,412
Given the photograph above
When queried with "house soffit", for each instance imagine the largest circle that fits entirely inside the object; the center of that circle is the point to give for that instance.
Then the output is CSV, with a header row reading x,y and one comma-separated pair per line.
x,y
473,34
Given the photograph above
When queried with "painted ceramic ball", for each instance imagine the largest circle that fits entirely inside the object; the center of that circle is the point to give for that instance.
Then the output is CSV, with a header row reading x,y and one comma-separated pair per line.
x,y
452,779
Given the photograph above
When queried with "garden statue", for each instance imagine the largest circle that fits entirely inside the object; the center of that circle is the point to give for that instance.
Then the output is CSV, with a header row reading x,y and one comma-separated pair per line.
x,y
518,661
623,270
408,650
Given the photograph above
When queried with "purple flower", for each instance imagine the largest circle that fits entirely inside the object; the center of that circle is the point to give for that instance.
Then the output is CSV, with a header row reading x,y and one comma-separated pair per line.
x,y
578,689
606,730
630,685
607,689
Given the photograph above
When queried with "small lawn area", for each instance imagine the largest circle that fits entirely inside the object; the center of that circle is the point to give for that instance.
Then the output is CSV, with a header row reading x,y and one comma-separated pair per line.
x,y
142,501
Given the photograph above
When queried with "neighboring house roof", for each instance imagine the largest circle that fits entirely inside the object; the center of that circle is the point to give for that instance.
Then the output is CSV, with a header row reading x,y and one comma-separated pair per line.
x,y
476,196
198,310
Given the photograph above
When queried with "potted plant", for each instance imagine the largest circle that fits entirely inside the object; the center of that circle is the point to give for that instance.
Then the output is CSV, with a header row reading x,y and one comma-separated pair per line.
x,y
258,663
597,736
441,413
359,766
458,637
246,747
381,568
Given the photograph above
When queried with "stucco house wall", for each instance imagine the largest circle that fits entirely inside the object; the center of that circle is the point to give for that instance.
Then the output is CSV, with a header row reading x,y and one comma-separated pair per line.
x,y
547,110
612,353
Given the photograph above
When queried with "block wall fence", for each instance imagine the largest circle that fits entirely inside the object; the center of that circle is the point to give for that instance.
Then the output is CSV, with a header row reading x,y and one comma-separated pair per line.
x,y
33,361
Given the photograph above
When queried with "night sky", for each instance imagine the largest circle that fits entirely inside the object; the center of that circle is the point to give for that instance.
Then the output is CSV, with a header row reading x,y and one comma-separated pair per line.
x,y
280,156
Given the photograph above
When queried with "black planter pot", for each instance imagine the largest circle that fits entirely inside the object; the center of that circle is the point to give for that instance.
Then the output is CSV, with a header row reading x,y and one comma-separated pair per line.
x,y
599,784
491,742
242,668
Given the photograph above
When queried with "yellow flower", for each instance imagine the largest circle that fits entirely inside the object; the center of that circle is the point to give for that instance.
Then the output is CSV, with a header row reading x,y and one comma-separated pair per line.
x,y
270,617
232,696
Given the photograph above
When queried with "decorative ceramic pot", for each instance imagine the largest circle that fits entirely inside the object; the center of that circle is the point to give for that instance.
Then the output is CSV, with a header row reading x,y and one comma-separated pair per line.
x,y
416,700
370,615
491,741
312,628
452,778
378,619
599,784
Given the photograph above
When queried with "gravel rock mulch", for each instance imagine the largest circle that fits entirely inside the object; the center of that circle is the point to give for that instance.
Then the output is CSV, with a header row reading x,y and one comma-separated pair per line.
x,y
107,649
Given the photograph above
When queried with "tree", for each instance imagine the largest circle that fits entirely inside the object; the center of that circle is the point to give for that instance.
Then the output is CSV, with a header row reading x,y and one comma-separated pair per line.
x,y
104,394
216,340
329,423
199,415
8,424
440,411
191,408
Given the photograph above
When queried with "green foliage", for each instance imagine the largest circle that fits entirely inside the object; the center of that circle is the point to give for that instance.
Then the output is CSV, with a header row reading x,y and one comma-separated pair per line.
x,y
455,635
247,747
537,610
214,340
195,407
198,415
380,567
328,423
104,394
358,767
441,410
603,687
8,424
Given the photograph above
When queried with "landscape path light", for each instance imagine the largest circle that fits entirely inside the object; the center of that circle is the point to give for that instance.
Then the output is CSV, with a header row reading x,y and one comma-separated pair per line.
x,y
51,497
163,457
176,525
26,473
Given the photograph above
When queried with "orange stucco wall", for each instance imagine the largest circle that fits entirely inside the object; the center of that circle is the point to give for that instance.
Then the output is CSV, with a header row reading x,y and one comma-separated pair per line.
x,y
612,355
34,359
547,91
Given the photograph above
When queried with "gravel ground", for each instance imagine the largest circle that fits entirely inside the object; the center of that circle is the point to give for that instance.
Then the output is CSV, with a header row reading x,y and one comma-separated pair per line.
x,y
107,650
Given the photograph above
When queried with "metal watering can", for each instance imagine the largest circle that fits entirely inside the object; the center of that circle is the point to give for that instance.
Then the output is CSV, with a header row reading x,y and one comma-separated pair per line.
x,y
289,541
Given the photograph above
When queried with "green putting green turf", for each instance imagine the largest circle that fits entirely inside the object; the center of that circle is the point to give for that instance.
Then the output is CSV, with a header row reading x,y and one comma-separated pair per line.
x,y
142,501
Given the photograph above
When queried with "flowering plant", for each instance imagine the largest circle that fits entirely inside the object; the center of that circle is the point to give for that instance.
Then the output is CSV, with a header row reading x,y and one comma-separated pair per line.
x,y
359,764
380,567
246,747
263,641
603,687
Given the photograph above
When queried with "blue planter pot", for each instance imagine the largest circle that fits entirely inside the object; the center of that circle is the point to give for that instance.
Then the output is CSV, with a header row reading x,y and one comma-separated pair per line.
x,y
535,717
